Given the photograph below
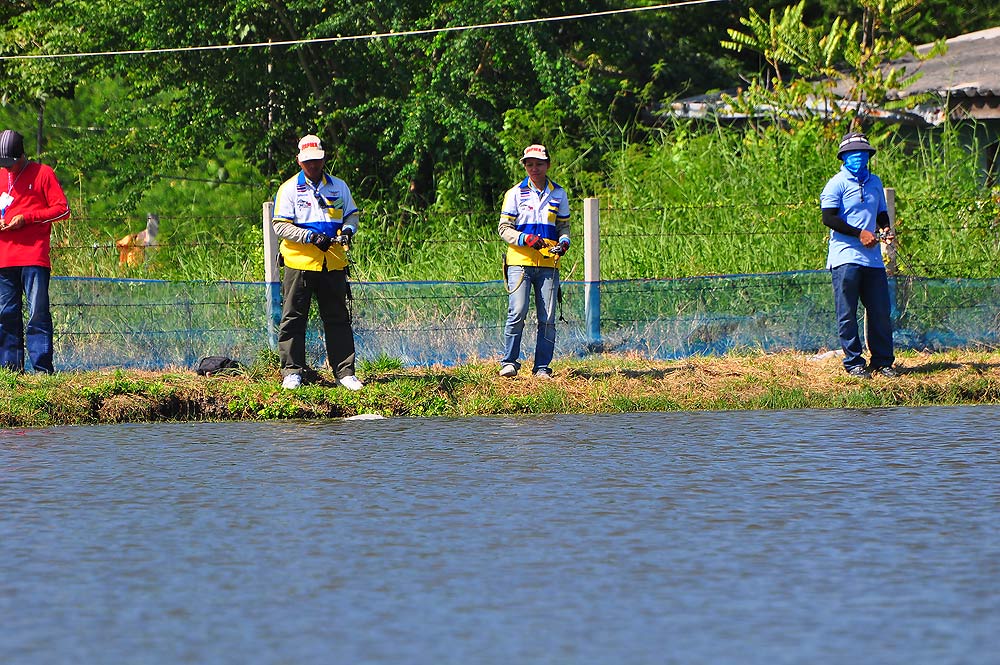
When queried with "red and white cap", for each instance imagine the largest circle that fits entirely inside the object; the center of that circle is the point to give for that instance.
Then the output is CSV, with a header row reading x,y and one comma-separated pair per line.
x,y
310,147
535,151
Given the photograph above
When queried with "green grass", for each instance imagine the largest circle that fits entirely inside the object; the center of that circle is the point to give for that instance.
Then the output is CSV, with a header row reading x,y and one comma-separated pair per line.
x,y
605,384
687,201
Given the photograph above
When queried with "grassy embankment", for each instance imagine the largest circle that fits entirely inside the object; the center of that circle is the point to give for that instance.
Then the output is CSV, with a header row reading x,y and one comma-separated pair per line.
x,y
683,204
593,385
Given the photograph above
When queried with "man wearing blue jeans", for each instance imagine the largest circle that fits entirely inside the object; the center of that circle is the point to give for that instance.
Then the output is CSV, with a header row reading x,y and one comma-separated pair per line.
x,y
31,199
534,222
854,208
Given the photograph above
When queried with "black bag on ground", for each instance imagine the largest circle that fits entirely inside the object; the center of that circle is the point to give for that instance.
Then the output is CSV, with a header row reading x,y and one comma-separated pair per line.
x,y
210,365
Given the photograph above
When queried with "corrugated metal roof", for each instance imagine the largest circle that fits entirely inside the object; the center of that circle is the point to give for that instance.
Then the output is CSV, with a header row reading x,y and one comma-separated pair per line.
x,y
965,80
970,68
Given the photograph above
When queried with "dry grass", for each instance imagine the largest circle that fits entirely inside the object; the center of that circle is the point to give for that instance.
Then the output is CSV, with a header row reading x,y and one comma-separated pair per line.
x,y
591,385
738,381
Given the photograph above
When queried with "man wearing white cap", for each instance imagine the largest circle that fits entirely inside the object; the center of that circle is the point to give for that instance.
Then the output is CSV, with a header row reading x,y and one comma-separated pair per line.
x,y
315,217
31,199
855,210
534,222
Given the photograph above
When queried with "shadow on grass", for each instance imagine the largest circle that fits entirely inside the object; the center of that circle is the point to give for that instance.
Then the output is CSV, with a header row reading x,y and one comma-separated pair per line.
x,y
445,381
651,373
930,368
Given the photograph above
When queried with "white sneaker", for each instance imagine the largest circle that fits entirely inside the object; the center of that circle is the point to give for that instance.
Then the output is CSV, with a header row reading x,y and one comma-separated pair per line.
x,y
351,382
508,370
291,382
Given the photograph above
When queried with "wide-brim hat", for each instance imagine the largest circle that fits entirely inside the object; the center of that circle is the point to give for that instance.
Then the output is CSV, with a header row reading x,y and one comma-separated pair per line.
x,y
854,141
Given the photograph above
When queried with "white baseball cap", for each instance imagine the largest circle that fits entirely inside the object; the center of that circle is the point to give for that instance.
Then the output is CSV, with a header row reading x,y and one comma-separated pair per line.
x,y
535,151
310,147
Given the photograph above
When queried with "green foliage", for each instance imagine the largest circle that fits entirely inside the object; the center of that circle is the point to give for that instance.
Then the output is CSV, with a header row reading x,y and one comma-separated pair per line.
x,y
265,403
379,365
840,72
666,212
264,366
407,120
427,129
120,384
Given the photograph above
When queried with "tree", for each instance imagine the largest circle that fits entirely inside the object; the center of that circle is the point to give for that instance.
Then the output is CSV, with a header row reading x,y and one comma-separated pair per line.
x,y
859,53
396,112
408,120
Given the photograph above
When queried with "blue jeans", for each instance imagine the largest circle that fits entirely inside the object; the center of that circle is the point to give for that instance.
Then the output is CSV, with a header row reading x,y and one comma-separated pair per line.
x,y
33,282
852,282
521,280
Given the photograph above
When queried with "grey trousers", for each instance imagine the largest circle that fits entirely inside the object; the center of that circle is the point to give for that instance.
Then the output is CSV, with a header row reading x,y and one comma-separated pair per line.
x,y
330,289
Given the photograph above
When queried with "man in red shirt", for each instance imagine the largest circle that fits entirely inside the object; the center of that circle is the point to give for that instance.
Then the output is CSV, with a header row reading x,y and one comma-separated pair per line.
x,y
30,200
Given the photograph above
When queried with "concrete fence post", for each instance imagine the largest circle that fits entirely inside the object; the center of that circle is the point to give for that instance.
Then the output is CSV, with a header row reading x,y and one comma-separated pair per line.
x,y
592,270
890,256
890,250
272,275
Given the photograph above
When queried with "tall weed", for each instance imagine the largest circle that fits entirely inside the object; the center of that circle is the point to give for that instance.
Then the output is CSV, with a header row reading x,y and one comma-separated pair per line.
x,y
683,200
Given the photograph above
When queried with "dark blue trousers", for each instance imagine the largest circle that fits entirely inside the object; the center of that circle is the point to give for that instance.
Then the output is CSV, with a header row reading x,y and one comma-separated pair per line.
x,y
851,283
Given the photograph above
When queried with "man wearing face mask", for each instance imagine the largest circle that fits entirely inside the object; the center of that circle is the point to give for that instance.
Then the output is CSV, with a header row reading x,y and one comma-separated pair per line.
x,y
854,208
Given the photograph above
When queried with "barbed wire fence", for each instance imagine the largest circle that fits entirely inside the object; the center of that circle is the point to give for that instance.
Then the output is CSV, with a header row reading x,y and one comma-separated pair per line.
x,y
110,315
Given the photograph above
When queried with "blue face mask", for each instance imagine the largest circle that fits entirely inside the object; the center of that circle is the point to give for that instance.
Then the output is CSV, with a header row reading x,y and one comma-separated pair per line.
x,y
856,161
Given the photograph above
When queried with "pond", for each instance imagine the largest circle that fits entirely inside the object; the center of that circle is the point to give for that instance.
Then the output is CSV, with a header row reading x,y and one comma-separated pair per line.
x,y
709,537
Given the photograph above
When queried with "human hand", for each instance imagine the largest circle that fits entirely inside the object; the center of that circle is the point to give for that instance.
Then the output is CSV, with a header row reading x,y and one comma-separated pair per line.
x,y
321,240
345,236
16,222
867,238
533,241
886,236
561,248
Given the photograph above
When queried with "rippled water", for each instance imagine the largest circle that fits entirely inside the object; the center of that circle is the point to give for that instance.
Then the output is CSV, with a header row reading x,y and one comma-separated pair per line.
x,y
735,537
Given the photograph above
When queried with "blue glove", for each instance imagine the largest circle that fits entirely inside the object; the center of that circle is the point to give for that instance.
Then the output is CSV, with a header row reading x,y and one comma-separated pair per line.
x,y
321,240
346,236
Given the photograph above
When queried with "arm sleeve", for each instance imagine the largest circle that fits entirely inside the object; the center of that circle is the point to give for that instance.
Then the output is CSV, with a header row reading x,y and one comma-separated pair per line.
x,y
351,221
508,217
288,231
882,220
562,220
350,209
284,215
832,219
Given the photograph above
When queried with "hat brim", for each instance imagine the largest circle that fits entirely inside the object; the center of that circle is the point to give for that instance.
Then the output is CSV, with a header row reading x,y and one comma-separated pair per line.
x,y
853,147
310,154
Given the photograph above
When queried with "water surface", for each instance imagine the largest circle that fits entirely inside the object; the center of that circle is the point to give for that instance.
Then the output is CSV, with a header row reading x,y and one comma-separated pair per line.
x,y
734,537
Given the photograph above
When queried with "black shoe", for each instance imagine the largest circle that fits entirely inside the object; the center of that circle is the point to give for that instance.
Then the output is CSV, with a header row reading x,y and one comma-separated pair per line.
x,y
859,371
887,372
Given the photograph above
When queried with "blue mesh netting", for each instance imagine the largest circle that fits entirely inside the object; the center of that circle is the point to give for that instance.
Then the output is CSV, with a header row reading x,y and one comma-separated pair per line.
x,y
156,324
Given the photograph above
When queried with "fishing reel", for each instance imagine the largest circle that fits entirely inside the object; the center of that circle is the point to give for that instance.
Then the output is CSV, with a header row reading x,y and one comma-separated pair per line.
x,y
552,250
885,236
